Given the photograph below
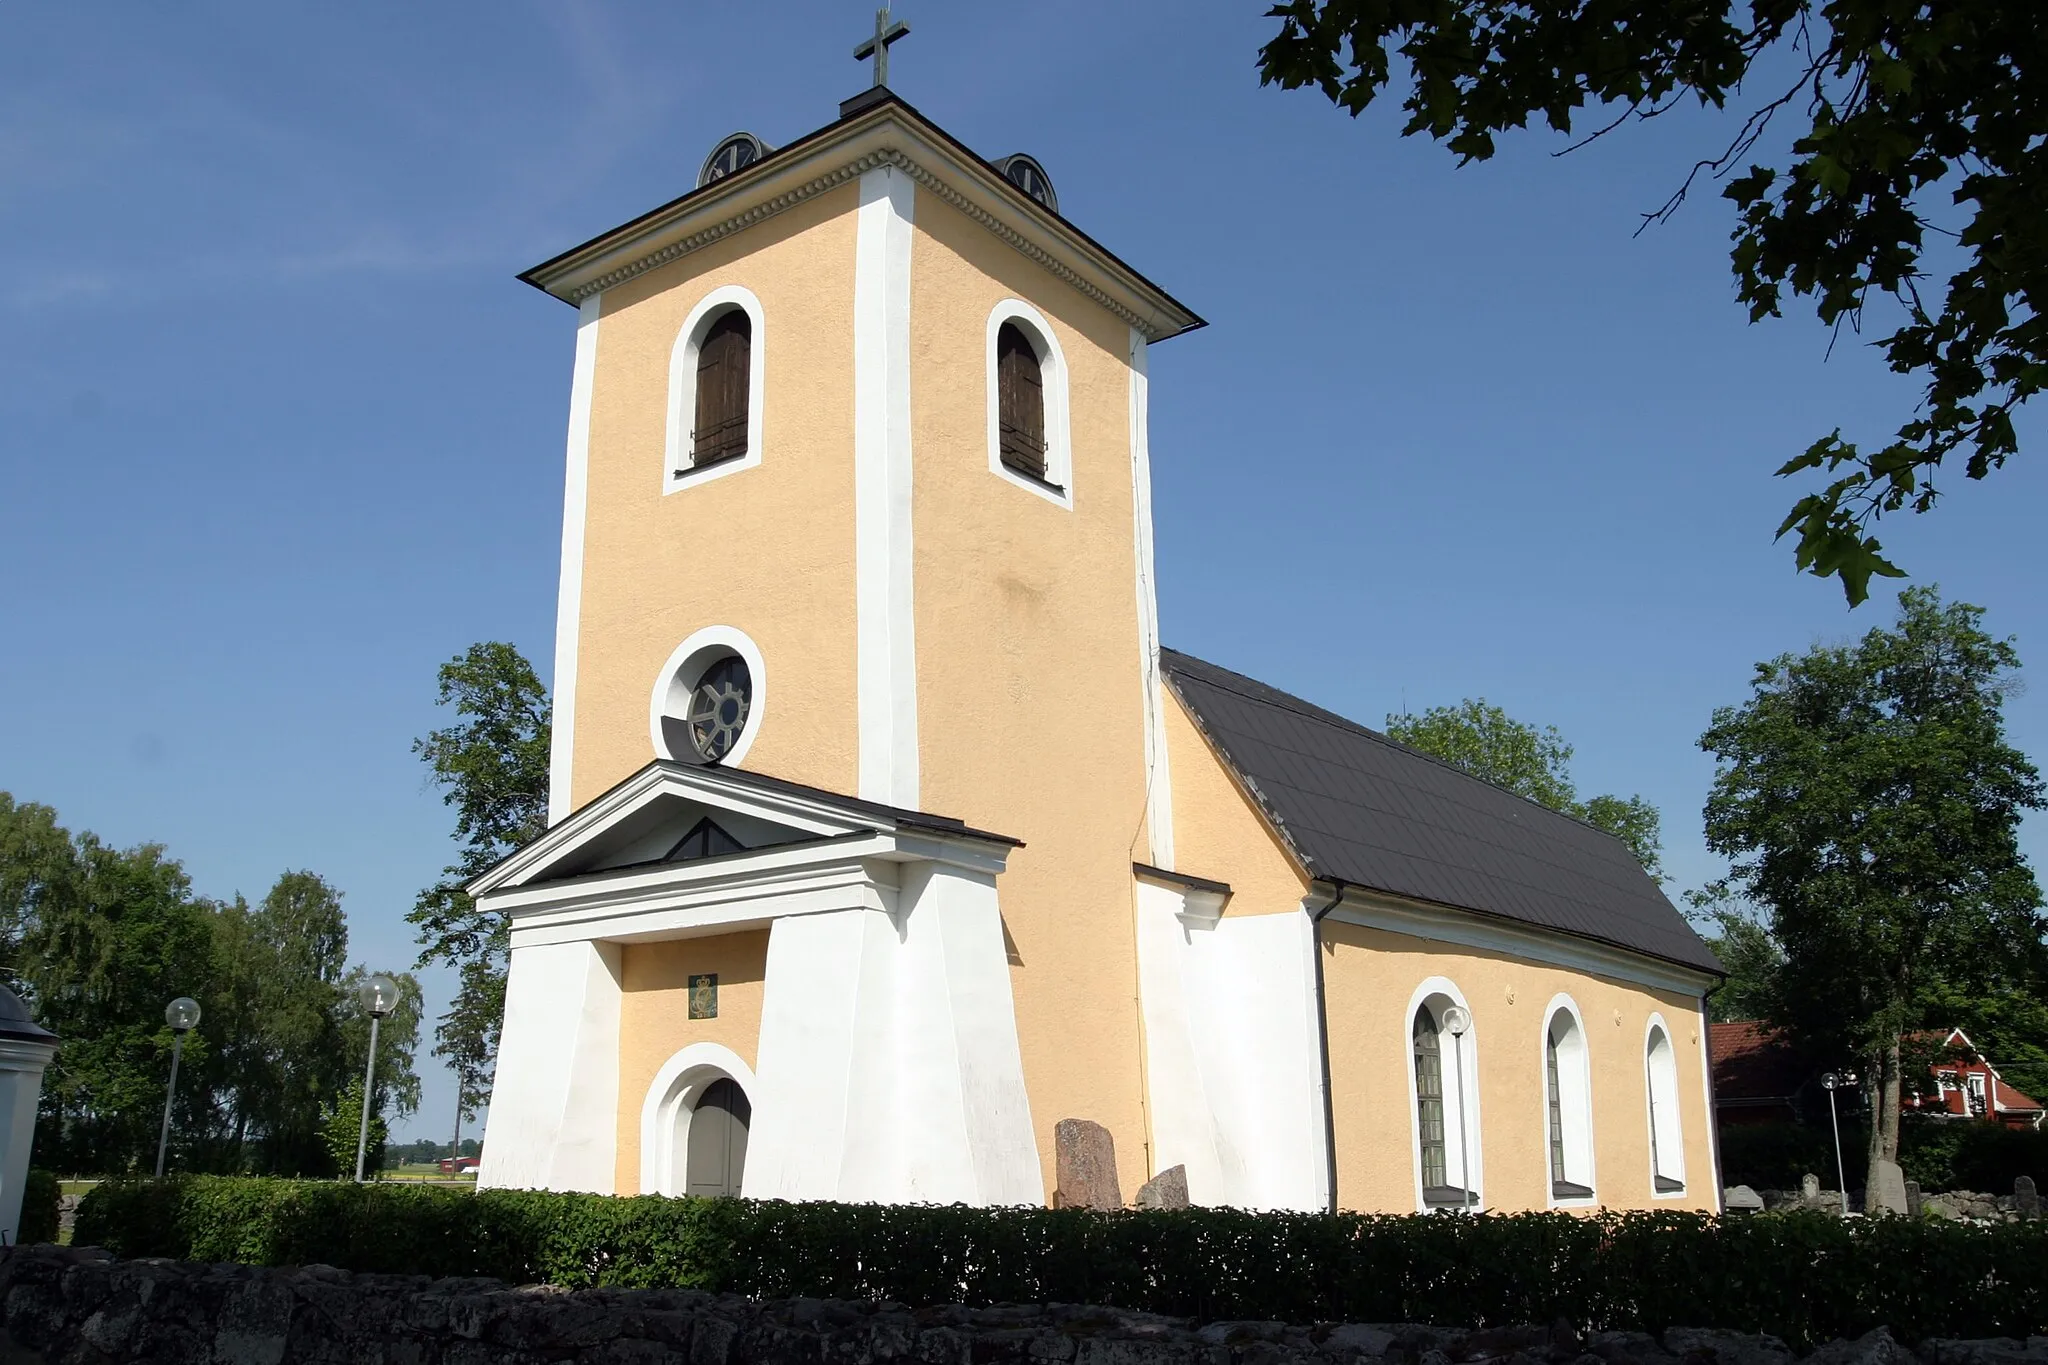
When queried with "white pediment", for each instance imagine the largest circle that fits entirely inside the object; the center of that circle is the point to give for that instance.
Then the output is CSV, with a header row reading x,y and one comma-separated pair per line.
x,y
641,822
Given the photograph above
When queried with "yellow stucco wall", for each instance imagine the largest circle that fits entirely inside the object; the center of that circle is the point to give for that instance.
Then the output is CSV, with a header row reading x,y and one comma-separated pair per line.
x,y
1370,976
1217,833
1030,716
655,1022
768,550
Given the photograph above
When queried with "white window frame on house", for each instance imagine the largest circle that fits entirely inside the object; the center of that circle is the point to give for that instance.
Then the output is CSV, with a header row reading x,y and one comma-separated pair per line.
x,y
1460,1064
1574,1101
677,470
1664,1119
1058,485
688,663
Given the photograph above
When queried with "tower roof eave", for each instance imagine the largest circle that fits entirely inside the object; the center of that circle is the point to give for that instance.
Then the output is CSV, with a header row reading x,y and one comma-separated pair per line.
x,y
883,131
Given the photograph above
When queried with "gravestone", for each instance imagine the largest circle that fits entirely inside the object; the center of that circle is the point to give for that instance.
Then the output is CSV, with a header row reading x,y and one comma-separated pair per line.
x,y
1084,1166
2026,1200
1741,1199
1809,1188
1912,1199
1887,1189
1167,1190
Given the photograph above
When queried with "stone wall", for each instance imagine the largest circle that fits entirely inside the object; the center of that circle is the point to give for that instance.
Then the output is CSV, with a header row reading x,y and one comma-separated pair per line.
x,y
82,1307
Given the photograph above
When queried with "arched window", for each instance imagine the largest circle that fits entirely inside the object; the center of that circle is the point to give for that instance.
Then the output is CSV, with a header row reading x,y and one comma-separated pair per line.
x,y
1568,1107
715,378
1028,439
724,360
1667,1139
1020,397
1446,1138
717,1140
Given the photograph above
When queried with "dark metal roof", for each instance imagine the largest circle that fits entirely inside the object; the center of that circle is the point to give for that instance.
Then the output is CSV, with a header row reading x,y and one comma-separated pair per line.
x,y
1359,809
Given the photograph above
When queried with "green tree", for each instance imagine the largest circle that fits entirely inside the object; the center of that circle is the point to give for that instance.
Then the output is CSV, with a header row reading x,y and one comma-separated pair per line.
x,y
341,1128
1748,952
1919,119
492,767
1488,743
101,939
276,1011
1866,797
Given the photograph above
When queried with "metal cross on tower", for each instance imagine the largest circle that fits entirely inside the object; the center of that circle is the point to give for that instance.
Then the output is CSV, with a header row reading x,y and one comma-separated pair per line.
x,y
878,46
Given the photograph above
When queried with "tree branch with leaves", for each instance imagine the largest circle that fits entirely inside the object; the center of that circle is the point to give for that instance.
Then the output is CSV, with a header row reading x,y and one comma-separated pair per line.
x,y
1919,120
492,767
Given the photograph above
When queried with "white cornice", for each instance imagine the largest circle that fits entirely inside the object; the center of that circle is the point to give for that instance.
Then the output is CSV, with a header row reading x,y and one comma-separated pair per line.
x,y
889,135
1445,925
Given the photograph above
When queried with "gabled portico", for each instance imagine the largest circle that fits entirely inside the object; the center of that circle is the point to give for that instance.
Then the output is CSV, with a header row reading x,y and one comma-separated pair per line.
x,y
887,1065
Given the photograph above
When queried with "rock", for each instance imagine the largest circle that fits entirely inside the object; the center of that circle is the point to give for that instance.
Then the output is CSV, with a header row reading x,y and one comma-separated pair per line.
x,y
1887,1191
1704,1346
1938,1207
1985,1351
1872,1348
1084,1158
1358,1339
1627,1348
1167,1190
1741,1199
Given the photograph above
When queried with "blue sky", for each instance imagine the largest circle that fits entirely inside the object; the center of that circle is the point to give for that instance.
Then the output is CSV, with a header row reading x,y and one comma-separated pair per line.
x,y
279,431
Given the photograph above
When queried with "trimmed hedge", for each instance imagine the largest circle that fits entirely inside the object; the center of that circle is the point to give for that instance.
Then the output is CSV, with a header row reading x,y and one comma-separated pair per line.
x,y
1806,1278
39,1218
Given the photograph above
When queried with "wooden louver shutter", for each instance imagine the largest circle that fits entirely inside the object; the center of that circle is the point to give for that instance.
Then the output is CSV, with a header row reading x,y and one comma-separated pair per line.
x,y
1020,402
722,364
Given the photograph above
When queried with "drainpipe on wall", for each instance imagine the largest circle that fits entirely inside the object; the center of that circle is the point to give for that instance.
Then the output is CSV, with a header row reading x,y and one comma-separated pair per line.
x,y
1334,893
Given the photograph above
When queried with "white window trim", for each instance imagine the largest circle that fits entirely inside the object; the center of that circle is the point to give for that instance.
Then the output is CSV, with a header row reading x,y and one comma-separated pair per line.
x,y
1468,1094
1574,1072
677,1087
682,388
1673,1152
1058,487
688,661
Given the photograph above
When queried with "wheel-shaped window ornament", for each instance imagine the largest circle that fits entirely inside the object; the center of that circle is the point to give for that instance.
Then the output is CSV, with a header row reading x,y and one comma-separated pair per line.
x,y
718,708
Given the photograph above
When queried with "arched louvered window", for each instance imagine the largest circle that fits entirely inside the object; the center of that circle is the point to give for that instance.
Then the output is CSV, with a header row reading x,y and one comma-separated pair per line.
x,y
723,360
1020,388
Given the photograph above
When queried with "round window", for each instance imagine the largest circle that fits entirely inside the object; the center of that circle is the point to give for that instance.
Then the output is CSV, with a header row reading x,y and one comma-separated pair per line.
x,y
718,708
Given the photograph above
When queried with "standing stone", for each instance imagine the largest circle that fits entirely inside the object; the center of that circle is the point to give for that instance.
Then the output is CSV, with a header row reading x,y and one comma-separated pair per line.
x,y
1912,1199
1084,1166
1887,1191
1809,1188
2026,1200
1167,1190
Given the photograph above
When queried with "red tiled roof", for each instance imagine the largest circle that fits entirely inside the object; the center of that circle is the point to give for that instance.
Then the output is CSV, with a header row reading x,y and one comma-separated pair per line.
x,y
1751,1062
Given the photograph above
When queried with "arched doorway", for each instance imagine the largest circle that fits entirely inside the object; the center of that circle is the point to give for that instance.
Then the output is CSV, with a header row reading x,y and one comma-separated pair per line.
x,y
717,1140
708,1082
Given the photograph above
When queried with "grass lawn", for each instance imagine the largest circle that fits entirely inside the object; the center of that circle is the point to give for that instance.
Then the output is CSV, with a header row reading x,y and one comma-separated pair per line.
x,y
428,1171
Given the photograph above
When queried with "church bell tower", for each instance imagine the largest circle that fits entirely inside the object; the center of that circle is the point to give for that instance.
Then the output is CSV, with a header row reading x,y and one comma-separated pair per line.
x,y
857,505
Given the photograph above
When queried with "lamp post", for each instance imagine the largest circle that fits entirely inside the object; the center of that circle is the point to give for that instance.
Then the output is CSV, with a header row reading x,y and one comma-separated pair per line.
x,y
379,996
1458,1020
1832,1082
182,1015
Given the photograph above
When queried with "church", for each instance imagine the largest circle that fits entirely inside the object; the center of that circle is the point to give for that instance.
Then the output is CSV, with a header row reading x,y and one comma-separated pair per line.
x,y
886,837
